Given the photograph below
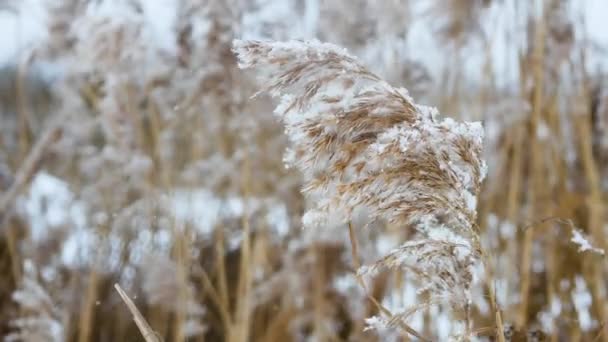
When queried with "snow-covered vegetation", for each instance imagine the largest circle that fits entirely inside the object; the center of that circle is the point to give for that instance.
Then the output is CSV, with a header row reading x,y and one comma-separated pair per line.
x,y
289,170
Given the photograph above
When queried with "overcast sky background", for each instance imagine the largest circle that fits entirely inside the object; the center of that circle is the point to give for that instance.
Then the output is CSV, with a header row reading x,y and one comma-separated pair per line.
x,y
19,31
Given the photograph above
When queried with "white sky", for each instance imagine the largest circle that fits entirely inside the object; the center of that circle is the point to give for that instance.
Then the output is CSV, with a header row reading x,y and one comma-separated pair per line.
x,y
18,31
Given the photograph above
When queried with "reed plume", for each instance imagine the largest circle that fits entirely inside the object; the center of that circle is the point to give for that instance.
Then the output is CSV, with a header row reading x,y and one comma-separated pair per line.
x,y
362,144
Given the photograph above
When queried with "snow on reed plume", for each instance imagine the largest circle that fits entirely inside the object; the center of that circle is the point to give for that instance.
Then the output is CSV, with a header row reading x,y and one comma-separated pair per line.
x,y
41,319
361,143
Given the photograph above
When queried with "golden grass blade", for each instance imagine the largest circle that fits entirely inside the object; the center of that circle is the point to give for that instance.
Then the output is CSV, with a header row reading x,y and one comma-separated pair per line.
x,y
143,326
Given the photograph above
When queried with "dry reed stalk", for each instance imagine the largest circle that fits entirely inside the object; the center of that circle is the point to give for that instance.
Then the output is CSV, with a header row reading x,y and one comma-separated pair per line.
x,y
240,330
181,262
153,115
159,320
87,312
30,164
490,286
551,269
23,110
458,20
535,168
516,138
485,95
499,330
593,201
594,204
551,248
28,168
143,326
319,331
166,179
11,241
220,266
224,311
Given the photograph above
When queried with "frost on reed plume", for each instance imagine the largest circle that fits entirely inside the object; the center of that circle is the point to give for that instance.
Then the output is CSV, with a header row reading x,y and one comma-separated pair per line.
x,y
362,144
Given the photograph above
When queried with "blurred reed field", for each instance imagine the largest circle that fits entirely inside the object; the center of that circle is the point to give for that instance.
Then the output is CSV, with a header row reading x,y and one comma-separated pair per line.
x,y
133,153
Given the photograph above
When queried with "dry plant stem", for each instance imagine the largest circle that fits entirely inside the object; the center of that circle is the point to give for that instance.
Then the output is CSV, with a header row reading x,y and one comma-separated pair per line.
x,y
156,128
550,258
594,203
500,329
598,337
382,308
72,328
88,312
23,176
539,53
11,241
240,329
484,101
136,117
216,299
28,168
488,78
513,192
159,319
23,110
221,269
552,244
181,247
147,332
318,287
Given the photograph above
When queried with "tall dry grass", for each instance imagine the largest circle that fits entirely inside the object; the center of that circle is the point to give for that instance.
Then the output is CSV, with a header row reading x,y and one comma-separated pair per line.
x,y
167,179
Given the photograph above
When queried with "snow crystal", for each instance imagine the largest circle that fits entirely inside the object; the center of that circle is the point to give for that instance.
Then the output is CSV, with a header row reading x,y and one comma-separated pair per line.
x,y
583,244
278,219
313,218
582,302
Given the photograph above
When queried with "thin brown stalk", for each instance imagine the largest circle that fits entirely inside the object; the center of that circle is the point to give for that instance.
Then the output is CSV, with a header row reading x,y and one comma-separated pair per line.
x,y
23,110
535,156
181,247
216,299
22,178
500,329
29,167
88,313
240,330
318,292
145,329
221,269
594,203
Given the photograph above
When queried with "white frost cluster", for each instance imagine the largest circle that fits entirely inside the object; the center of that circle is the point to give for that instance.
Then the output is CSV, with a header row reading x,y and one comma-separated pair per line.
x,y
581,297
583,244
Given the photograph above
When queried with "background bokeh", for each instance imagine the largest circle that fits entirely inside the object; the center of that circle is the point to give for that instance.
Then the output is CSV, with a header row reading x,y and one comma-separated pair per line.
x,y
131,152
